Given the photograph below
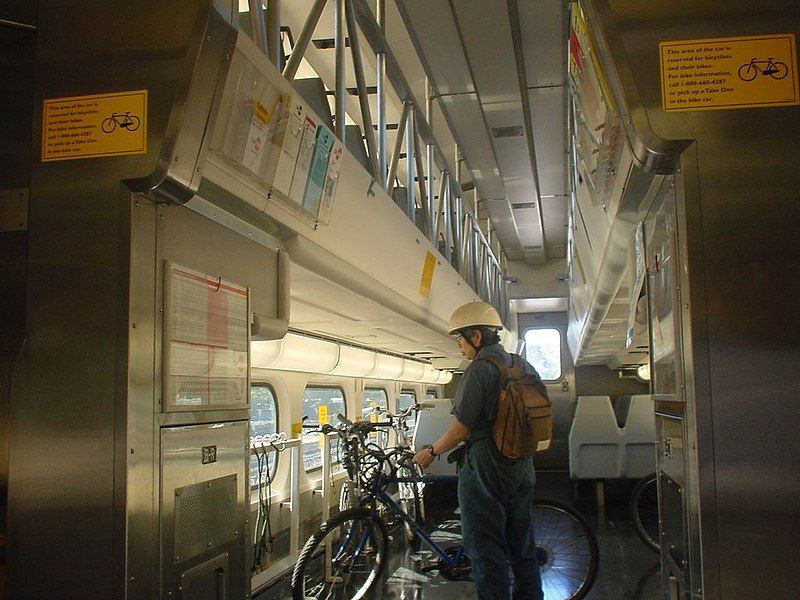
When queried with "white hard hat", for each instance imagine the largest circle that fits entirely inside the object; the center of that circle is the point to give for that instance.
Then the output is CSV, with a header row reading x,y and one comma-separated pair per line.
x,y
474,314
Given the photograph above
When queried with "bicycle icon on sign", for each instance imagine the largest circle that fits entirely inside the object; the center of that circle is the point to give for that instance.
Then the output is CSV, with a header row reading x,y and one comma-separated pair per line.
x,y
122,120
769,67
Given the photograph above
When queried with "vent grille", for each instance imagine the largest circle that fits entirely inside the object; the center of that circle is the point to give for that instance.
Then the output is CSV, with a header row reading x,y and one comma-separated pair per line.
x,y
505,132
205,516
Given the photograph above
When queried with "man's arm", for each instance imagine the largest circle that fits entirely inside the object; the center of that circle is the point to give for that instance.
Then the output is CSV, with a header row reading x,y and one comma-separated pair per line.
x,y
452,437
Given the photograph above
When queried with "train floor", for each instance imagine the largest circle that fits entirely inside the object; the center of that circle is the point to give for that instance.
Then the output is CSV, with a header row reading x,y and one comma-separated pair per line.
x,y
628,569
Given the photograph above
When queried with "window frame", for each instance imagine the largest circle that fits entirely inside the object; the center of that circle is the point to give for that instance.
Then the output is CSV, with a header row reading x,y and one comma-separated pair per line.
x,y
302,435
561,370
276,405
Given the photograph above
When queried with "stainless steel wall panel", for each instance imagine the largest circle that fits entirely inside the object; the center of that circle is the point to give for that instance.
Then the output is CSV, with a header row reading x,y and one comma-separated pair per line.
x,y
81,441
189,239
143,371
735,292
204,503
17,50
67,395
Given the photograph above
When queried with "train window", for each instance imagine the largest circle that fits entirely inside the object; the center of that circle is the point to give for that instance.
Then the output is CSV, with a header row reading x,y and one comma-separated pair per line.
x,y
404,400
332,398
543,351
373,397
263,422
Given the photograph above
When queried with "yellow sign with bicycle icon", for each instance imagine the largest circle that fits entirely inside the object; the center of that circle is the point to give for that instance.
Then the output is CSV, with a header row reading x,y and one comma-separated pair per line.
x,y
92,126
726,73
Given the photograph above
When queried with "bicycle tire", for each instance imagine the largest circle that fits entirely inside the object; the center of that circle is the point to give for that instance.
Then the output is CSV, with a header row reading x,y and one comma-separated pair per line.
x,y
643,507
781,70
134,123
411,501
108,124
359,551
566,549
747,72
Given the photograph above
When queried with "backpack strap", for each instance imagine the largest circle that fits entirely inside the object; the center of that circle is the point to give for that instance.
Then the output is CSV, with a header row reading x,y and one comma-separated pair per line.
x,y
516,371
499,364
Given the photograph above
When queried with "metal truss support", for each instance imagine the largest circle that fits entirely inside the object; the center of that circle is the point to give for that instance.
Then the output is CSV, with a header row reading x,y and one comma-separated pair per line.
x,y
258,25
361,87
340,90
398,145
274,47
380,59
299,49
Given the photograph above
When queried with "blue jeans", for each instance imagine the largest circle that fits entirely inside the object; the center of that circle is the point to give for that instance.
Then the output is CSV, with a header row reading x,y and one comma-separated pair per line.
x,y
498,536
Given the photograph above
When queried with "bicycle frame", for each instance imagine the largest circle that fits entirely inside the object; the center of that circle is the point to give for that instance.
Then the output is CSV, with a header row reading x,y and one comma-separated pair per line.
x,y
385,499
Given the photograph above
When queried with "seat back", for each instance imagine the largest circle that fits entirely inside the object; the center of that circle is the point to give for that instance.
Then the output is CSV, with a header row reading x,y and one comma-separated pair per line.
x,y
638,438
594,440
431,423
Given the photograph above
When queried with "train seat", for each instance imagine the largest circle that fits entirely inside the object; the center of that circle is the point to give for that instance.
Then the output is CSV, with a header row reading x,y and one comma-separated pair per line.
x,y
639,437
594,440
603,446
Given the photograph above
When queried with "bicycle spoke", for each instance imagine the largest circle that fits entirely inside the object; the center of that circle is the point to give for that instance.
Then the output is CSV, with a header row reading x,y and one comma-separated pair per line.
x,y
568,551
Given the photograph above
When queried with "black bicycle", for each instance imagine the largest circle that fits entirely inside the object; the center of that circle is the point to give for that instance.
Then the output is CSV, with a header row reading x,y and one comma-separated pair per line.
x,y
346,557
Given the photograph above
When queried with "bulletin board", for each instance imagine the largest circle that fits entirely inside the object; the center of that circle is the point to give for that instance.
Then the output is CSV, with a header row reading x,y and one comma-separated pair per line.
x,y
206,341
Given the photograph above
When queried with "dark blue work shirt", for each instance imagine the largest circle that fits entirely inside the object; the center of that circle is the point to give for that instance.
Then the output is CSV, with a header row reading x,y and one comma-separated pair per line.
x,y
475,406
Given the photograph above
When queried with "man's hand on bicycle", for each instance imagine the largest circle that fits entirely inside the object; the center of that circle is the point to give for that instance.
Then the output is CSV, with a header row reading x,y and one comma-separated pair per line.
x,y
425,457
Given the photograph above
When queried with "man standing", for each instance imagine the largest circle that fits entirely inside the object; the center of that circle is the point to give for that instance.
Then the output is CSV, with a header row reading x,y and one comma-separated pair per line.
x,y
495,493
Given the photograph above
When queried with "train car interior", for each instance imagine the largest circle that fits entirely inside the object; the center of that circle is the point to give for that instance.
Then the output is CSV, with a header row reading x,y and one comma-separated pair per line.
x,y
233,234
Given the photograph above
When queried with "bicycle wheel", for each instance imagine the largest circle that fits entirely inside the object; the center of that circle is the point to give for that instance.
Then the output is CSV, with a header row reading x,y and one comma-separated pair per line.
x,y
747,72
779,70
108,125
411,499
567,551
355,544
643,506
132,123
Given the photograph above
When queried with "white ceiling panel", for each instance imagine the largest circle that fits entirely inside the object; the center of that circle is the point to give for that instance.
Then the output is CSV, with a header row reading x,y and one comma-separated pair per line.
x,y
549,127
487,40
530,234
468,121
554,211
433,22
544,30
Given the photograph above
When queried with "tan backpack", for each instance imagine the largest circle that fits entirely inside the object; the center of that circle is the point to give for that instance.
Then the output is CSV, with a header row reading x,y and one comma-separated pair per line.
x,y
524,422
